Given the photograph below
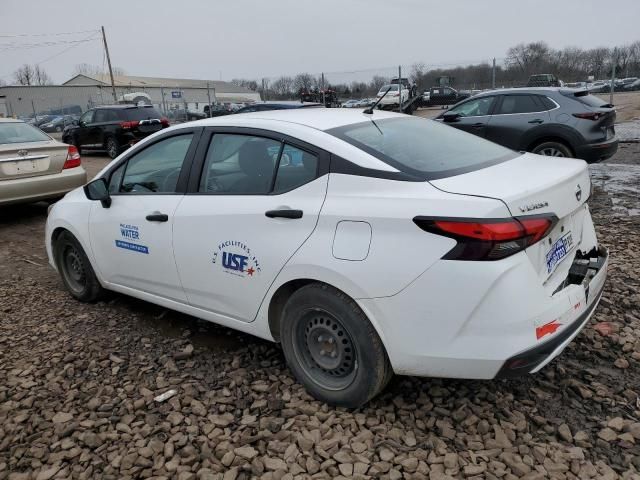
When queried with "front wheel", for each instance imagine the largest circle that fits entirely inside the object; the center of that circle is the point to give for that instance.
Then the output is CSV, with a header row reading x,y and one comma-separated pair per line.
x,y
332,348
75,269
112,147
552,149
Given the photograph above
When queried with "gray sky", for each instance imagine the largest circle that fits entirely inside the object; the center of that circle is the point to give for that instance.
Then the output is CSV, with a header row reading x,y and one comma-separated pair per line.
x,y
268,38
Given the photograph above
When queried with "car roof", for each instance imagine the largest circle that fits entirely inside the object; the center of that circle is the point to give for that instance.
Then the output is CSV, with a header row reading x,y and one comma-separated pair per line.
x,y
122,106
500,91
316,118
285,102
11,120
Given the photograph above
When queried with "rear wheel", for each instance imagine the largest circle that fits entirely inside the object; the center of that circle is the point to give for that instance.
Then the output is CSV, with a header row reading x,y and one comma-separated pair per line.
x,y
552,149
112,147
332,348
75,269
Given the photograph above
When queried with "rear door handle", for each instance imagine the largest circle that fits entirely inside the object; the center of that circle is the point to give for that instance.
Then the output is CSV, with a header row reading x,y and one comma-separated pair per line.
x,y
157,217
286,213
537,121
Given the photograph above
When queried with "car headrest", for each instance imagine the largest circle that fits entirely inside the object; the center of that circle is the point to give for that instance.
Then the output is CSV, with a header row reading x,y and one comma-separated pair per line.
x,y
254,158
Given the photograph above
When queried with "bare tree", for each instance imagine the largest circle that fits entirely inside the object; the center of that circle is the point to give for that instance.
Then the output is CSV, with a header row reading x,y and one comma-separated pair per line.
x,y
243,82
303,81
40,76
31,75
377,82
93,70
283,87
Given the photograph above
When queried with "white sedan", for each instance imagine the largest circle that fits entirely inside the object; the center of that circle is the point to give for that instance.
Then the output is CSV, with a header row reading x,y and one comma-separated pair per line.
x,y
366,244
390,94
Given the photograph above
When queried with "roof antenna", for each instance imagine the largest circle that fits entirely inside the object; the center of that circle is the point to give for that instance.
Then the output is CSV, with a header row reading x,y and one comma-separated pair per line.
x,y
369,111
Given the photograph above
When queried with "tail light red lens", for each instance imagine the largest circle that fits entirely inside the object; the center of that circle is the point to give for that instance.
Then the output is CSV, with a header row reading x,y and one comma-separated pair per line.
x,y
129,125
589,115
488,239
73,158
164,121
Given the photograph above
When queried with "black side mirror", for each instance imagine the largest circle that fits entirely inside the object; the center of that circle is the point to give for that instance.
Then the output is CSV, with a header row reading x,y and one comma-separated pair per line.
x,y
451,117
98,190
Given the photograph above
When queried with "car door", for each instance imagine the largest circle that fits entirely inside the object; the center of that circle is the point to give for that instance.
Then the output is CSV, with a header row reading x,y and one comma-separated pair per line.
x,y
514,116
471,116
132,238
255,203
82,134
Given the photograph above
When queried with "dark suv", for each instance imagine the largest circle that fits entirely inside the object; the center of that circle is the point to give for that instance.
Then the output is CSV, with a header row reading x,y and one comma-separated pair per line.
x,y
114,128
445,96
549,121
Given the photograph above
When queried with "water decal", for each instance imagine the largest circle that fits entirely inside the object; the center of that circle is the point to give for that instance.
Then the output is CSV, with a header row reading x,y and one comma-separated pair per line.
x,y
131,233
236,258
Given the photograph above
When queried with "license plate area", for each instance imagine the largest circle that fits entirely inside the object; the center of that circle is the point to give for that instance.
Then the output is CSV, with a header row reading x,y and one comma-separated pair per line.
x,y
610,132
558,251
24,167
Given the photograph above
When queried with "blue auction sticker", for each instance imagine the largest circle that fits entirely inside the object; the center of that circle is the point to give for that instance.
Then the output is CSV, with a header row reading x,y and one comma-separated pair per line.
x,y
132,246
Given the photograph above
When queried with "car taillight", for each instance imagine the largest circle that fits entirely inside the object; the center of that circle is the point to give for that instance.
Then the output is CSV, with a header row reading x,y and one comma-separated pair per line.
x,y
484,239
589,115
129,125
164,121
73,158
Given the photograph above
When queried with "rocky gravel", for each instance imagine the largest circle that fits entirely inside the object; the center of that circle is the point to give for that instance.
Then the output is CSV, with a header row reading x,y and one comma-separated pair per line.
x,y
124,389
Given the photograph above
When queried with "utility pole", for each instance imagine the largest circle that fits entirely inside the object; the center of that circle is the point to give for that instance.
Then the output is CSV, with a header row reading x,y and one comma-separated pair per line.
x,y
400,88
106,50
613,76
324,102
164,106
209,99
493,74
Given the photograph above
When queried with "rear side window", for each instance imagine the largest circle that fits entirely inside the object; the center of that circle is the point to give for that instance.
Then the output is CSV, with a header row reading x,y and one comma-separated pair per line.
x,y
105,116
424,148
296,167
144,113
519,104
547,102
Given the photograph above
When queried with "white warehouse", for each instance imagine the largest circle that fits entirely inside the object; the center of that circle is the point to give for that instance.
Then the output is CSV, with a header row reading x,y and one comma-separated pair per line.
x,y
87,91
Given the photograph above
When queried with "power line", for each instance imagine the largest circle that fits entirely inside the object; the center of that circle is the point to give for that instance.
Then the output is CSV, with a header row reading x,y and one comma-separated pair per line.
x,y
45,34
17,46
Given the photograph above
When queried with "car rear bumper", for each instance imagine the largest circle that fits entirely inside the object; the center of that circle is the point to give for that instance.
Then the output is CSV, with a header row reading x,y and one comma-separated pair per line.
x,y
595,152
476,319
33,189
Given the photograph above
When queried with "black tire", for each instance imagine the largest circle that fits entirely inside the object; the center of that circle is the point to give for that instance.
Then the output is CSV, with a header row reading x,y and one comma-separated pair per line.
x,y
552,149
332,348
75,269
112,147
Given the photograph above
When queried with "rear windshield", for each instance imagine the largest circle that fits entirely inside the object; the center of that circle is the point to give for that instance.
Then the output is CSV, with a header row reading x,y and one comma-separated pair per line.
x,y
424,148
143,113
388,87
18,132
589,100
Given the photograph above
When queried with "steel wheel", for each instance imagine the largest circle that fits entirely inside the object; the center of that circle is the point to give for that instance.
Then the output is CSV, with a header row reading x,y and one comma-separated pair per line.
x,y
73,269
325,350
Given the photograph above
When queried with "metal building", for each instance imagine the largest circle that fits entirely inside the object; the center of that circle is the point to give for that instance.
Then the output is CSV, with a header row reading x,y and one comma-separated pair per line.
x,y
87,91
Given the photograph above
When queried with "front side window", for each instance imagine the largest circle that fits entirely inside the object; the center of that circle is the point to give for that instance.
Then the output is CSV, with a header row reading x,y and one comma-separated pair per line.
x,y
239,164
519,104
156,168
473,108
424,148
87,117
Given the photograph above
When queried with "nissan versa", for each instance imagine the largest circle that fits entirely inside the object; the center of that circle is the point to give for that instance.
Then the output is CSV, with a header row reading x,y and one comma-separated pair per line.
x,y
365,243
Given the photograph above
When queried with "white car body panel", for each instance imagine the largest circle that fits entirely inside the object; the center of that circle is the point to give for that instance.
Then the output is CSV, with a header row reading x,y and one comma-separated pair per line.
x,y
357,235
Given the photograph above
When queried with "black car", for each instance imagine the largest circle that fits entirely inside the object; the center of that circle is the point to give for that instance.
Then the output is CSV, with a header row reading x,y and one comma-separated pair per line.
x,y
445,96
543,80
114,128
217,110
264,106
182,115
559,122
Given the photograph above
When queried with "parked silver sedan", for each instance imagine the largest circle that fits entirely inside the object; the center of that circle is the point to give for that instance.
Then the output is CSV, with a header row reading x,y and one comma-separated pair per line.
x,y
34,166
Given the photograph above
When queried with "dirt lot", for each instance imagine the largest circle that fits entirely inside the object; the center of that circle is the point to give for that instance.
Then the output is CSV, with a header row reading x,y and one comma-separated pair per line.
x,y
627,105
77,387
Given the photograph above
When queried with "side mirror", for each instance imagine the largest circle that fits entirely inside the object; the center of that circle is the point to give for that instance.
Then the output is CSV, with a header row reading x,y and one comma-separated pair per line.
x,y
98,190
451,117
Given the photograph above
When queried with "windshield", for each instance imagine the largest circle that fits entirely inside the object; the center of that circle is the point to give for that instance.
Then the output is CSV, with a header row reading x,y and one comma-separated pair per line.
x,y
424,148
18,132
388,87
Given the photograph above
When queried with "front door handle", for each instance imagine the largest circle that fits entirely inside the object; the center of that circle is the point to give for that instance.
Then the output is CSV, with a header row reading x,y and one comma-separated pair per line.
x,y
286,213
478,125
536,121
157,217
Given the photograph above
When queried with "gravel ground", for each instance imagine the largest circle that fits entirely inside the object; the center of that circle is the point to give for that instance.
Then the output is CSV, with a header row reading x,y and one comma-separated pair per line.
x,y
77,388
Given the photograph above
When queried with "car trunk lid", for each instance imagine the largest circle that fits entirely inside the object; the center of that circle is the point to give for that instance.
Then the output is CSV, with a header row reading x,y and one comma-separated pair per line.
x,y
535,185
19,160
